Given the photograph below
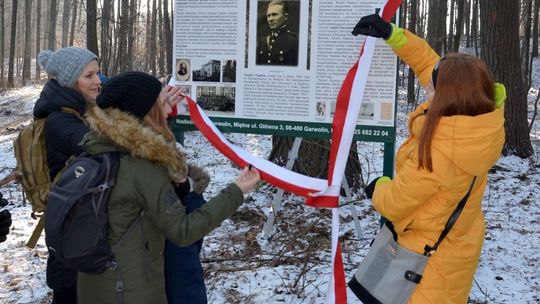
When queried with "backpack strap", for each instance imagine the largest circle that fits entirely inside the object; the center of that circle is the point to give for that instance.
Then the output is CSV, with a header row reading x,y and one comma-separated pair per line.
x,y
32,241
73,112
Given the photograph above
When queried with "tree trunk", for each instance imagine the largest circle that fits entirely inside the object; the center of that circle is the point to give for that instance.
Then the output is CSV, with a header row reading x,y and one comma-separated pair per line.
x,y
148,33
468,23
403,13
131,34
411,79
51,39
526,44
441,27
437,25
474,26
65,23
161,55
2,45
123,32
27,40
451,26
73,22
106,41
534,51
38,38
313,158
459,25
11,63
91,27
153,33
500,49
168,36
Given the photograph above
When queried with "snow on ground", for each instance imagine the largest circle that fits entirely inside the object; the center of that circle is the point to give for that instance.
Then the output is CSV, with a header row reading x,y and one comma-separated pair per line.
x,y
293,266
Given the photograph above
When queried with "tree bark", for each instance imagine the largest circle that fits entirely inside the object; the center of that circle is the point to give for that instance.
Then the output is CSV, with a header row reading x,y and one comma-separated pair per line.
x,y
526,44
459,25
411,79
534,51
106,41
152,44
440,43
437,25
403,13
38,37
2,45
313,158
500,49
65,23
474,26
451,26
168,36
91,27
51,38
161,55
468,23
148,33
131,34
73,22
27,40
11,63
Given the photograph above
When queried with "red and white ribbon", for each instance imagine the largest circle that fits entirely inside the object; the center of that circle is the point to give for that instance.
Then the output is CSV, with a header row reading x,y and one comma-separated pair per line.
x,y
319,193
278,176
348,105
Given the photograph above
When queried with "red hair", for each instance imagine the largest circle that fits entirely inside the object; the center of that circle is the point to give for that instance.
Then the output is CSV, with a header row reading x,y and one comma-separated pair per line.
x,y
464,87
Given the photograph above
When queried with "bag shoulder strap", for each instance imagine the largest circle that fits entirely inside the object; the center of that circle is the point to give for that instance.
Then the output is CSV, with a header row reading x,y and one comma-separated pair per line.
x,y
429,250
73,112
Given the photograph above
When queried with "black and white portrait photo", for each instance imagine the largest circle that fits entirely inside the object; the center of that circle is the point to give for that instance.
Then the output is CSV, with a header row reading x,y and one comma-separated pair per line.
x,y
183,67
277,32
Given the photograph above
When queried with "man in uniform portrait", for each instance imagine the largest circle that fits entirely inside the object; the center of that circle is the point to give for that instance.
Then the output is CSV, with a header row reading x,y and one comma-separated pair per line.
x,y
280,47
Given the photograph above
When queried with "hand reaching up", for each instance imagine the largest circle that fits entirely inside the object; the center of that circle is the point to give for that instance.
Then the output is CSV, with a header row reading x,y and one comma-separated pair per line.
x,y
247,179
170,97
374,26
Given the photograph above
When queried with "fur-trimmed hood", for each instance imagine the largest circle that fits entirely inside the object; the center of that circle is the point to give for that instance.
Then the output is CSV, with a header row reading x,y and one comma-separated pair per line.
x,y
128,133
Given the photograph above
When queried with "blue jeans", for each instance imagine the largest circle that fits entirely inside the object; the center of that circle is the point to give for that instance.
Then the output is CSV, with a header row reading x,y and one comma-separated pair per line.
x,y
184,277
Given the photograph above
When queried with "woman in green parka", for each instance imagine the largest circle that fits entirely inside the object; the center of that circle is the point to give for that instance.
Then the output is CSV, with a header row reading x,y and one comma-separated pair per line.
x,y
144,208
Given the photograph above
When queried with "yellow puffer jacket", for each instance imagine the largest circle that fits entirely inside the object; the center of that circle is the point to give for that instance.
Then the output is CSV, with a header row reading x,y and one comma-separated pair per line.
x,y
420,202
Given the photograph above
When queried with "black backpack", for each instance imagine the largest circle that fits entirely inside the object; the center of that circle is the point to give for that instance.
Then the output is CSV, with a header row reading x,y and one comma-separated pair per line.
x,y
76,217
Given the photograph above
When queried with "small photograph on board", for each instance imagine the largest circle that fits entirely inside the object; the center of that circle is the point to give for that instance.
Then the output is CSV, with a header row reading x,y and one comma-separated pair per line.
x,y
367,111
229,71
209,71
183,67
217,99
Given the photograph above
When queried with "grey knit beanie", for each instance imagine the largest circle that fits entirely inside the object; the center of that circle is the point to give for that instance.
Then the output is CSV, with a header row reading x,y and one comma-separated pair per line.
x,y
65,65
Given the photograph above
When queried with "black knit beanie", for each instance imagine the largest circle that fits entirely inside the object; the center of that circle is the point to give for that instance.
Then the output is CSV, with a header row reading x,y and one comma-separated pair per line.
x,y
131,92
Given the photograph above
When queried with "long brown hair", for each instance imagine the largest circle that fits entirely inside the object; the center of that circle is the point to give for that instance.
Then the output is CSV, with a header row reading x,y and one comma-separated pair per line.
x,y
464,87
156,120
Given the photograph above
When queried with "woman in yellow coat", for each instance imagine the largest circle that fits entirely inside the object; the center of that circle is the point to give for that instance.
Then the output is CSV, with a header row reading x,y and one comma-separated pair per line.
x,y
454,136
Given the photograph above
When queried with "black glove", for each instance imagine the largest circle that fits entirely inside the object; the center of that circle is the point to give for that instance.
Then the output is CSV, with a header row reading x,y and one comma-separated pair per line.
x,y
5,223
182,190
3,201
370,188
374,26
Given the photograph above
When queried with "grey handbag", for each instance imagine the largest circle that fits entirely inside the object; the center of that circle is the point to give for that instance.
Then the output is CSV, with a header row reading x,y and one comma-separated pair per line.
x,y
389,273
